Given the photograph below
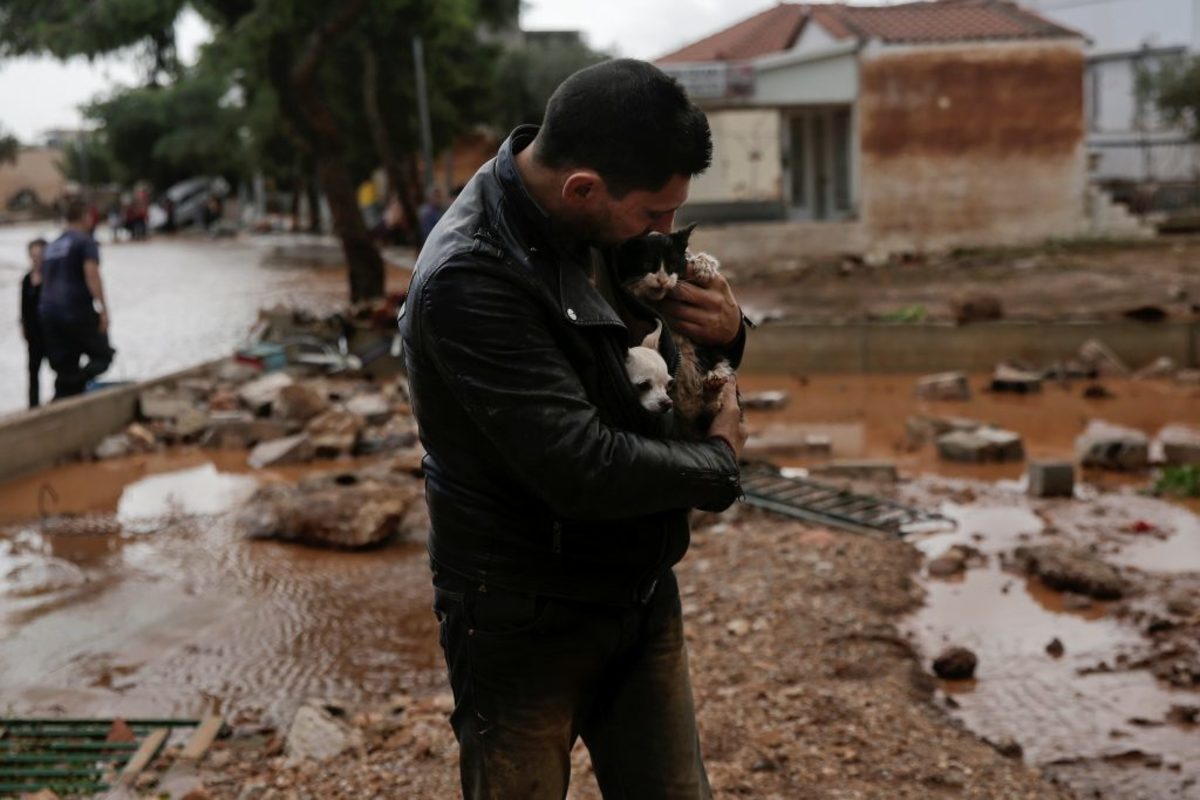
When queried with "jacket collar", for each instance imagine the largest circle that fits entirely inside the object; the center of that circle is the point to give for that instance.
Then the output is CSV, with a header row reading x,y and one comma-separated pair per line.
x,y
573,261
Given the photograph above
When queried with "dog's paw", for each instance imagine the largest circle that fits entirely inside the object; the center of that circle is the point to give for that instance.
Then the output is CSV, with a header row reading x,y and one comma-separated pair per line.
x,y
717,377
702,267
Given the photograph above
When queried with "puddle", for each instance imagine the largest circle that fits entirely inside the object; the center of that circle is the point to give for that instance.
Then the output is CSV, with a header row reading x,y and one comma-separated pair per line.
x,y
169,610
1058,715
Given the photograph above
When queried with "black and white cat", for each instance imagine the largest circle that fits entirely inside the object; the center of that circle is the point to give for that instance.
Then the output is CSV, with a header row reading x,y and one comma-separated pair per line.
x,y
649,268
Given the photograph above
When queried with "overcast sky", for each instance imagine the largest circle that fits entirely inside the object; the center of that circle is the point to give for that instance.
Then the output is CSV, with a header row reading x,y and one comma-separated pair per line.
x,y
38,94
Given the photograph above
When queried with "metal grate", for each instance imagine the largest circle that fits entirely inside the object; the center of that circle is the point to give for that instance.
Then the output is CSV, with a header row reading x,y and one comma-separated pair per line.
x,y
766,487
72,756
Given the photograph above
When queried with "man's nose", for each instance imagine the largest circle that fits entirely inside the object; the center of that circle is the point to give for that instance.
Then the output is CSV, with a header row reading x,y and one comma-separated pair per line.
x,y
664,224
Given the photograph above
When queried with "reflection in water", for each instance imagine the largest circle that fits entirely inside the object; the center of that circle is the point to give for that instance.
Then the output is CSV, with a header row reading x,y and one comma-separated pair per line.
x,y
197,491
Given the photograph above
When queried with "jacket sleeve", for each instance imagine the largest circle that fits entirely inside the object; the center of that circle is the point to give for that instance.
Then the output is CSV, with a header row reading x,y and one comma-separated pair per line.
x,y
491,343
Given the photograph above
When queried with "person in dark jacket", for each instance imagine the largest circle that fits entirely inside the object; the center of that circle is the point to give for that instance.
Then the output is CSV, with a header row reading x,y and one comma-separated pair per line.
x,y
31,289
72,308
558,507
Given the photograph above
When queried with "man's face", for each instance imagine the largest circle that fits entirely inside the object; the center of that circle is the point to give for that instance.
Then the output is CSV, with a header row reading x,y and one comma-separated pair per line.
x,y
35,255
608,220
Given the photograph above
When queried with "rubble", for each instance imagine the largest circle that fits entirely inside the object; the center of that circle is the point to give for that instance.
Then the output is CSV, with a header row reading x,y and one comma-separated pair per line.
x,y
259,394
1180,444
319,733
279,452
334,432
162,403
1051,478
1161,367
944,386
372,407
764,401
981,445
919,430
1008,378
787,440
955,664
1100,357
299,402
240,430
1106,446
1072,570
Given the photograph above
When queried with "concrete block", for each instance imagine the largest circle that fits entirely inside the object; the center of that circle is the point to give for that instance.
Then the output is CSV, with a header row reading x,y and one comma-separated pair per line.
x,y
1051,479
1180,444
981,445
1007,378
163,403
260,393
944,386
278,452
1106,446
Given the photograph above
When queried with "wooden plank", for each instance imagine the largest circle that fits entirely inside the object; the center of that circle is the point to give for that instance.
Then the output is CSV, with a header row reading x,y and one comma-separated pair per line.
x,y
202,738
143,756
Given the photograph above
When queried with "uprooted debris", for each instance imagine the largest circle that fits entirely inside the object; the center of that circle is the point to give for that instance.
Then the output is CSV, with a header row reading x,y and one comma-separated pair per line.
x,y
981,445
1103,445
1072,570
944,386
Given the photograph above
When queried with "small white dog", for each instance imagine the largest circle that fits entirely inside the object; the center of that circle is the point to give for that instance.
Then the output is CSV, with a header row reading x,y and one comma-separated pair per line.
x,y
648,373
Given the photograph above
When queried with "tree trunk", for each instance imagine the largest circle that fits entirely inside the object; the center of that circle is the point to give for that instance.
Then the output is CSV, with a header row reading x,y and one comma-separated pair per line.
x,y
300,99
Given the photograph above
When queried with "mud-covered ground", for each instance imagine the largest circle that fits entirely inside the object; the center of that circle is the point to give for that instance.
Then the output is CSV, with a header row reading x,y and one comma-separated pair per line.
x,y
1053,282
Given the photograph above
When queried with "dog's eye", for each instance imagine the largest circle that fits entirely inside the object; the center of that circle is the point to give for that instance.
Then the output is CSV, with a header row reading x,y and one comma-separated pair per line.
x,y
643,386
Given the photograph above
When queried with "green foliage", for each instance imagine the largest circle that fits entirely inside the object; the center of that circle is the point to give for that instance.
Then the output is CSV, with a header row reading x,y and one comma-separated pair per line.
x,y
915,313
9,148
525,77
1179,481
1172,85
88,162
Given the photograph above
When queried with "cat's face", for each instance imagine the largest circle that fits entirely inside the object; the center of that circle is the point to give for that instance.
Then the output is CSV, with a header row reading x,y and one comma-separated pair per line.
x,y
651,265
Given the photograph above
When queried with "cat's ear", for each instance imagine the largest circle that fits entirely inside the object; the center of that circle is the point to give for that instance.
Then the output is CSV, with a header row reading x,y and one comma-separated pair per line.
x,y
680,237
651,339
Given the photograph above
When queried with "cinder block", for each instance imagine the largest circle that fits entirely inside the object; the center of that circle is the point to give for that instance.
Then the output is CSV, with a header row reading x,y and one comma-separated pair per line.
x,y
1051,479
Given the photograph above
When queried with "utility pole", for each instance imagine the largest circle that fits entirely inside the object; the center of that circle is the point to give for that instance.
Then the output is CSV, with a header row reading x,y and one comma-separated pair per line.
x,y
423,112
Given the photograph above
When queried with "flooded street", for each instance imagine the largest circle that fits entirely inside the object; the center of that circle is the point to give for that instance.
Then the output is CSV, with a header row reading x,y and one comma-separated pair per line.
x,y
175,302
151,603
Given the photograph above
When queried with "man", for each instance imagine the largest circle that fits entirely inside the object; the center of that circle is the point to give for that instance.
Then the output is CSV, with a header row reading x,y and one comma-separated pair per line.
x,y
556,513
73,312
31,289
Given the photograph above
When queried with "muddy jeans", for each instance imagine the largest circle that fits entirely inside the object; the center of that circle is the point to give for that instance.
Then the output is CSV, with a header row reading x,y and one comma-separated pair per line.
x,y
531,674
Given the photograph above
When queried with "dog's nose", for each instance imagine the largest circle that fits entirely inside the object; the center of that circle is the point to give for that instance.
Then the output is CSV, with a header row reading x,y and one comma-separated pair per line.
x,y
664,404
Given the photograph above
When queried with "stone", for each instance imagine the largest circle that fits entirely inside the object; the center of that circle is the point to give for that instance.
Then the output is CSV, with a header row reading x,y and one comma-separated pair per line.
x,y
1180,444
1076,602
1051,479
865,470
319,735
944,386
787,440
299,402
191,423
981,445
259,394
1008,378
947,566
1055,648
233,371
738,627
163,403
1072,570
976,307
373,407
921,429
344,510
114,446
1161,367
279,452
240,430
1106,446
1009,748
764,401
955,664
334,432
1183,604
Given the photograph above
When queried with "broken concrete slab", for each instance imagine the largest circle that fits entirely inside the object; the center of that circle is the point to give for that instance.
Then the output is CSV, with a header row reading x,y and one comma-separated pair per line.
x,y
1051,479
764,401
865,470
260,393
299,402
1008,378
1072,570
279,452
921,429
1180,444
1161,367
319,732
334,432
114,446
240,430
164,403
1106,446
981,445
373,407
944,386
787,440
1097,354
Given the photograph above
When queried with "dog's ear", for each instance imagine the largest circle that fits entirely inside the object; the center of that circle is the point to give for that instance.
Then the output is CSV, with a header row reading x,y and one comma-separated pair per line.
x,y
680,237
652,338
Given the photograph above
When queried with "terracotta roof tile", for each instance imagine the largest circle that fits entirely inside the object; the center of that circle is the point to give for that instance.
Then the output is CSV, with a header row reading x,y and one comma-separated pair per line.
x,y
767,32
777,28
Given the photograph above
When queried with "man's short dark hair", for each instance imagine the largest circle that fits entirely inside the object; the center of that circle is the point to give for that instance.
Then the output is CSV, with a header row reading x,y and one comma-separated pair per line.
x,y
38,242
76,209
629,121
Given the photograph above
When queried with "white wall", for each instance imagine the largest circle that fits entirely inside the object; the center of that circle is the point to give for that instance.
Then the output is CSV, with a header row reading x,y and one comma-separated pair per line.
x,y
1118,26
746,158
815,81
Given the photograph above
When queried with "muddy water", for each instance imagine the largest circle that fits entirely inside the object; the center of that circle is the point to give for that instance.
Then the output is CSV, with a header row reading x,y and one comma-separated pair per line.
x,y
175,302
152,604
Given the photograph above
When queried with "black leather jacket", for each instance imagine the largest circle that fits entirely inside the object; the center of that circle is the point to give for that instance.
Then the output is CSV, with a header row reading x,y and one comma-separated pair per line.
x,y
542,470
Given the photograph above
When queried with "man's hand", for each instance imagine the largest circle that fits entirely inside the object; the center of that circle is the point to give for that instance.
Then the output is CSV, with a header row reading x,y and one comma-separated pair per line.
x,y
707,315
729,423
103,325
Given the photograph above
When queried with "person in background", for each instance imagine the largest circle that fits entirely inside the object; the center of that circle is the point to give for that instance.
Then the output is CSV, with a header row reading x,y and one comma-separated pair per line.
x,y
72,308
31,289
430,212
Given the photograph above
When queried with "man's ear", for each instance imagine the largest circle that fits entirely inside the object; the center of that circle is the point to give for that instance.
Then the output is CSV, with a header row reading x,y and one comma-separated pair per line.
x,y
581,187
651,339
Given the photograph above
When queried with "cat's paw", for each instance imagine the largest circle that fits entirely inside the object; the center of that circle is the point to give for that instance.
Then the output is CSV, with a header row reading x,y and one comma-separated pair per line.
x,y
717,377
702,267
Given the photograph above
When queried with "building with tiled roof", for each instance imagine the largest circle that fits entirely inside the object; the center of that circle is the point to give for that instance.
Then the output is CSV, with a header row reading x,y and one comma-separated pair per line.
x,y
925,124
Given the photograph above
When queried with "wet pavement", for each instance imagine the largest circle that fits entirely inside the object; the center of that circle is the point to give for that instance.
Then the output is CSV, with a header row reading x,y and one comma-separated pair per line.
x,y
175,302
